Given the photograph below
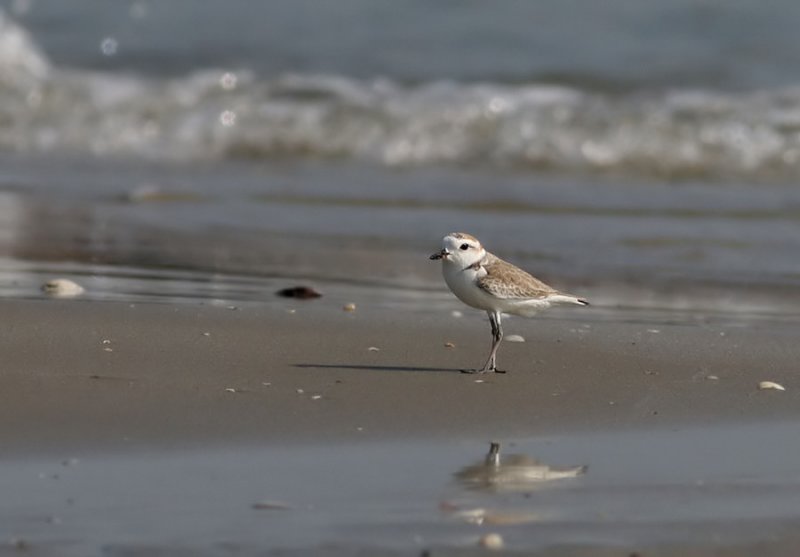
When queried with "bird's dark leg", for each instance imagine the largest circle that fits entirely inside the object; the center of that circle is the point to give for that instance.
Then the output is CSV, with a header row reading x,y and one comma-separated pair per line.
x,y
497,337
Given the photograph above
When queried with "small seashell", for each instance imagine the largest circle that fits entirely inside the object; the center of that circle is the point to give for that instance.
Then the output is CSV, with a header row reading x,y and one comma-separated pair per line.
x,y
771,385
230,390
373,349
349,307
316,397
206,334
491,541
712,377
480,381
62,288
299,391
515,338
456,313
449,345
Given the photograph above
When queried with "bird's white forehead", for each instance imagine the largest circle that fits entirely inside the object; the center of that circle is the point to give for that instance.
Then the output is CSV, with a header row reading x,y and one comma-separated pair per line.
x,y
455,239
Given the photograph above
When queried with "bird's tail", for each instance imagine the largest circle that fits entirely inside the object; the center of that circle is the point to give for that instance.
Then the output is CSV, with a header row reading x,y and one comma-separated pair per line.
x,y
568,299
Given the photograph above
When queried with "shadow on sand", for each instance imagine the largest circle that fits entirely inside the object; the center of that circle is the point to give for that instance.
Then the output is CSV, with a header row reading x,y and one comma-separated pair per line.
x,y
379,368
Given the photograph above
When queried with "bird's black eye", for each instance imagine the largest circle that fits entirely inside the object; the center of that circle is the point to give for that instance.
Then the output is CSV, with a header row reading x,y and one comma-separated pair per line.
x,y
464,246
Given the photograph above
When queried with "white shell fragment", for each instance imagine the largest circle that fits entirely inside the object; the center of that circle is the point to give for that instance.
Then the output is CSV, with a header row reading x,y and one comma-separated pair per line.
x,y
515,338
62,288
373,349
771,385
491,541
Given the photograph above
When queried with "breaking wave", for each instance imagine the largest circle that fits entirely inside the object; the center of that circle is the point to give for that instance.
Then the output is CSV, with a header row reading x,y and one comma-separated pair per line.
x,y
226,114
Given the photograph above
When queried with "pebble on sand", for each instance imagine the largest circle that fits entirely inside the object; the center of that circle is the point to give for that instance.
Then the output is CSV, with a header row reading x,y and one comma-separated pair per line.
x,y
349,307
62,288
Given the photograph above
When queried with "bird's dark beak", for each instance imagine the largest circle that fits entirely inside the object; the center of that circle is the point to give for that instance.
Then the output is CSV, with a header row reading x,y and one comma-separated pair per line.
x,y
440,254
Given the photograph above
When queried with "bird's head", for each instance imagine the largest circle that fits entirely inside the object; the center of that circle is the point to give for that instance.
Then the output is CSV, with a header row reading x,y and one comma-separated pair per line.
x,y
460,248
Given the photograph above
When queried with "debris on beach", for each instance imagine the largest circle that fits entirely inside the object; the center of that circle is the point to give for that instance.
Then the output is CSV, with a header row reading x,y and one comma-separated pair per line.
x,y
268,505
712,377
316,397
492,541
62,288
373,349
480,515
764,385
515,338
349,308
230,390
456,313
449,345
516,472
299,293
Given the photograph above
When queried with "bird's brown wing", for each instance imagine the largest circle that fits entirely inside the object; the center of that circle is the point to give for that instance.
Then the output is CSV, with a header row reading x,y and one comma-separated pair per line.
x,y
504,280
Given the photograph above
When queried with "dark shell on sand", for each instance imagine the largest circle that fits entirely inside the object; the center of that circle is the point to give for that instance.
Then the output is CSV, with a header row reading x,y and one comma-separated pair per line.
x,y
299,293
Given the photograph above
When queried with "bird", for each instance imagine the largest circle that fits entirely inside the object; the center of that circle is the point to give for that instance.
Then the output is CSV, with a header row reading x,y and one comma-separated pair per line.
x,y
483,281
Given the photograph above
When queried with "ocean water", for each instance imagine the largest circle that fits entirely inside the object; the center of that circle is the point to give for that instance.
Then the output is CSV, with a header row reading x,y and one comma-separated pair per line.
x,y
643,145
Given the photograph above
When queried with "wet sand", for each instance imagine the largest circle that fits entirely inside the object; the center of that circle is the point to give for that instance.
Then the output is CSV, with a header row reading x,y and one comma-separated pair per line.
x,y
136,383
117,374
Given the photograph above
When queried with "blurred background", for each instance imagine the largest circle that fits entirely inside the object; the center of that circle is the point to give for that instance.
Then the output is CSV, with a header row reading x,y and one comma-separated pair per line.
x,y
644,153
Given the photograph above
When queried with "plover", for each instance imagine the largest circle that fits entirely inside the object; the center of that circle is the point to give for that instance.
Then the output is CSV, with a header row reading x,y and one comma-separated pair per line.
x,y
484,281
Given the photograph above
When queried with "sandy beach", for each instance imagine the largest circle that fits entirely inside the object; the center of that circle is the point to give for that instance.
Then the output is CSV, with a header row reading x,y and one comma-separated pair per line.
x,y
126,386
117,374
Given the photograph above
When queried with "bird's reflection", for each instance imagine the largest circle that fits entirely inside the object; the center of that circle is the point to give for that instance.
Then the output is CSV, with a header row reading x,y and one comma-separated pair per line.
x,y
515,472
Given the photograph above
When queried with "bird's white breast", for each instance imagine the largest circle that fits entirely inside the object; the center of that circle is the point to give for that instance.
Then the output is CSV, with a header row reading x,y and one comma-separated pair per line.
x,y
464,284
